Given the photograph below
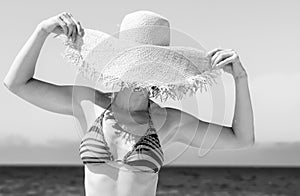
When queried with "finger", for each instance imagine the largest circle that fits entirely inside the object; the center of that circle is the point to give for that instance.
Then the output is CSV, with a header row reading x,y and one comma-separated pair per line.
x,y
74,31
78,27
212,52
221,57
213,58
81,29
69,24
63,25
215,55
225,61
74,34
73,26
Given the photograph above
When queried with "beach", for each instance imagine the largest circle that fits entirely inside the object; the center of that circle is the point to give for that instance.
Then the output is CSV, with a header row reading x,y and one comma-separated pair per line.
x,y
181,181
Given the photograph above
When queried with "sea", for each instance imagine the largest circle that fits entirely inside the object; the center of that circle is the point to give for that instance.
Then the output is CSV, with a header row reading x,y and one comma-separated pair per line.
x,y
181,181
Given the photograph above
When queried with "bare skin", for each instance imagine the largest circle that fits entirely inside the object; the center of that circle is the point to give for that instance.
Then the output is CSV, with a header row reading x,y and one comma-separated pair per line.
x,y
130,110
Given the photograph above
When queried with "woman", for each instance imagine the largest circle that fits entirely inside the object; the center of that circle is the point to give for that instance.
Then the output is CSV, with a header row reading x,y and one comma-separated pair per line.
x,y
138,119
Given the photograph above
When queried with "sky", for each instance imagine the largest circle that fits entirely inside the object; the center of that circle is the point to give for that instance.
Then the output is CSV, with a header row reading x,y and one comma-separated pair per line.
x,y
265,35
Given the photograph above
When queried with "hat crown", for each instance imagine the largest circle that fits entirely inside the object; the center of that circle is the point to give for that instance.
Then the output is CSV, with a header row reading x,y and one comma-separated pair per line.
x,y
145,27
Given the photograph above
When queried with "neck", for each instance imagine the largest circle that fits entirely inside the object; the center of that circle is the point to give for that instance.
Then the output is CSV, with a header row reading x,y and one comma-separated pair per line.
x,y
129,100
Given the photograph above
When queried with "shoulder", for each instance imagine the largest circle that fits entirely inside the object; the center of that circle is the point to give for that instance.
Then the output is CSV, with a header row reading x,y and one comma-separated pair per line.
x,y
86,93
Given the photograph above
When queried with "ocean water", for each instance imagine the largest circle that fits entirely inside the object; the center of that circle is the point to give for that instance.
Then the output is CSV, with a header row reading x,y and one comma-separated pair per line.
x,y
181,181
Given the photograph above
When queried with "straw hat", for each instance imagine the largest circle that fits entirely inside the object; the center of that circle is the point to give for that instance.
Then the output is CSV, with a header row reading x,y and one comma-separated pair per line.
x,y
140,56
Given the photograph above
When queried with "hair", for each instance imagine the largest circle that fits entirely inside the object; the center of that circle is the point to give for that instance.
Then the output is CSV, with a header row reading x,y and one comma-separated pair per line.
x,y
154,91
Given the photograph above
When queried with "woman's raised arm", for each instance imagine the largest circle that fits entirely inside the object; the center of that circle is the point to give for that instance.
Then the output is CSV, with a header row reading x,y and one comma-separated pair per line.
x,y
52,97
197,133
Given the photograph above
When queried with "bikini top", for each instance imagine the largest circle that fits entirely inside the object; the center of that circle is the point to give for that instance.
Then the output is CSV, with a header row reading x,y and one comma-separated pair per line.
x,y
146,154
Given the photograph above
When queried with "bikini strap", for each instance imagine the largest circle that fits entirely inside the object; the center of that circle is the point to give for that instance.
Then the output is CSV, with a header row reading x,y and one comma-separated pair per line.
x,y
149,114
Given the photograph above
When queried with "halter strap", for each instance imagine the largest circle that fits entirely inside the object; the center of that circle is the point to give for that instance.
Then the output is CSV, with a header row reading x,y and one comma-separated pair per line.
x,y
149,114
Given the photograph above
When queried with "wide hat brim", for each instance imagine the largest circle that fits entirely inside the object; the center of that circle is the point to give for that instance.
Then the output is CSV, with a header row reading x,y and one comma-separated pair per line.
x,y
175,71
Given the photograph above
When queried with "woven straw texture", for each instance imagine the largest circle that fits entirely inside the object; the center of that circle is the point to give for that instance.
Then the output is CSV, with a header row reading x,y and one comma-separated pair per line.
x,y
175,71
141,56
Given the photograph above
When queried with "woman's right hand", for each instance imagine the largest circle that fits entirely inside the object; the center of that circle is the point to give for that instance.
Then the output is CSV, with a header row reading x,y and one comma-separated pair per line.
x,y
63,23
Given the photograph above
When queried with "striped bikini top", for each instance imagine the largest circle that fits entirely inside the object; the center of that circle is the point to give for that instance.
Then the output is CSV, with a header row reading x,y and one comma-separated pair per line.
x,y
146,154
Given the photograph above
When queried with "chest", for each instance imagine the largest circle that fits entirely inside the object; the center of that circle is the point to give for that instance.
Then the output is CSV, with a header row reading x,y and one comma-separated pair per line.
x,y
121,134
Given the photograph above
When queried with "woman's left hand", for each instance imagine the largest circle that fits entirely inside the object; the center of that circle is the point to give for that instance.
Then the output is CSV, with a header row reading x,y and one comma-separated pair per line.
x,y
227,59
